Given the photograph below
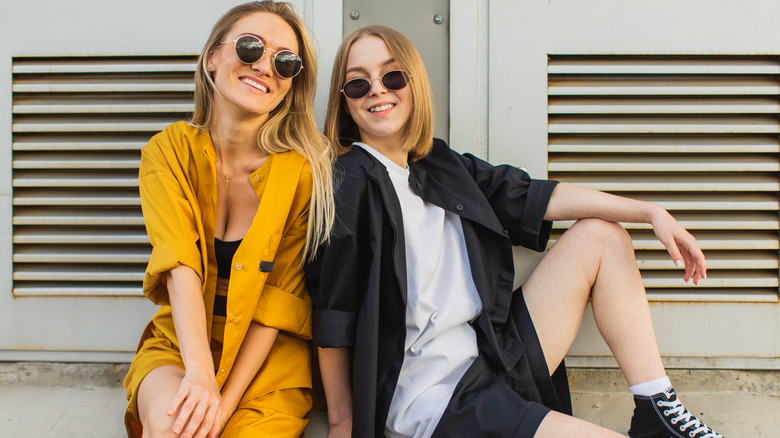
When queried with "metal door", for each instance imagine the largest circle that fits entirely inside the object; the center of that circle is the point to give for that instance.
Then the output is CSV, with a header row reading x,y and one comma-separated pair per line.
x,y
427,25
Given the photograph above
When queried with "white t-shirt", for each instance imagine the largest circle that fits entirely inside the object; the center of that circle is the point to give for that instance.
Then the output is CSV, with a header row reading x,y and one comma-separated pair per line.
x,y
441,301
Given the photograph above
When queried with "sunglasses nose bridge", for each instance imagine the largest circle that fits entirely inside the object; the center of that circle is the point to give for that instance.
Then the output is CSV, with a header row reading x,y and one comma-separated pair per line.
x,y
265,62
377,80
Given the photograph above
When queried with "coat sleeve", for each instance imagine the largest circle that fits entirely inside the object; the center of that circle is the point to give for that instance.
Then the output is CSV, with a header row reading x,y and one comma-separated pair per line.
x,y
518,201
336,277
284,303
169,219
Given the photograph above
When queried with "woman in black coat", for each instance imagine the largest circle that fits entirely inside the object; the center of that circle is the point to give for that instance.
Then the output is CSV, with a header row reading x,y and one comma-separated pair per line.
x,y
420,332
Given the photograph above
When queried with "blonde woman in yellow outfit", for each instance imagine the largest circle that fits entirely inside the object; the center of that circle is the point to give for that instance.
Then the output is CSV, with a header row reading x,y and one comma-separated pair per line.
x,y
233,203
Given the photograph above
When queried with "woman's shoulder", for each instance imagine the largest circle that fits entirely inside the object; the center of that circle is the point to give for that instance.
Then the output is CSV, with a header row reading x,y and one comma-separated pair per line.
x,y
350,175
442,155
173,147
177,137
355,158
290,159
292,165
440,145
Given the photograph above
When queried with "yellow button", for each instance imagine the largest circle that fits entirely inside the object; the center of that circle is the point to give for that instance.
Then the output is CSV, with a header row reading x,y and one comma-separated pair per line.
x,y
233,318
238,266
222,372
256,178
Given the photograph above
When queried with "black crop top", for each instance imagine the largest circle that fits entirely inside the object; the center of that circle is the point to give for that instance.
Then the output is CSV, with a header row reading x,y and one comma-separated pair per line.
x,y
224,252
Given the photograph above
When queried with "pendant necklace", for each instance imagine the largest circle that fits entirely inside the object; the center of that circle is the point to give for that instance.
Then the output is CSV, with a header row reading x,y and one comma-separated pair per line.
x,y
246,167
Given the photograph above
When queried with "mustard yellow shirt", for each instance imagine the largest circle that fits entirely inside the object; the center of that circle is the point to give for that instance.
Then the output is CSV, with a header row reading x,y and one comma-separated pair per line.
x,y
177,181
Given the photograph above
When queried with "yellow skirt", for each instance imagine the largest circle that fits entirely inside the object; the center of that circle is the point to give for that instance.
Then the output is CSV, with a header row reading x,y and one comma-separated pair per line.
x,y
269,408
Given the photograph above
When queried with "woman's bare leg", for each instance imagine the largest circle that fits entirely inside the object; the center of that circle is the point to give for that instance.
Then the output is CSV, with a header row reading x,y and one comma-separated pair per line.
x,y
154,398
557,425
594,261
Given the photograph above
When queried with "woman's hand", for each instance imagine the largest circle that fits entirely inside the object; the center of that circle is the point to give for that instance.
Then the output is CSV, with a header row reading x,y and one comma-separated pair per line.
x,y
222,418
198,402
680,244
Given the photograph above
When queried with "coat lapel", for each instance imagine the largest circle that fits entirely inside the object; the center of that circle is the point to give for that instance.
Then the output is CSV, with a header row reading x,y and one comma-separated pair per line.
x,y
379,176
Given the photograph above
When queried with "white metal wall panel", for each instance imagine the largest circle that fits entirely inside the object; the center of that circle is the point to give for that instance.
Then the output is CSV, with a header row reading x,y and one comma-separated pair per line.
x,y
697,135
683,57
78,126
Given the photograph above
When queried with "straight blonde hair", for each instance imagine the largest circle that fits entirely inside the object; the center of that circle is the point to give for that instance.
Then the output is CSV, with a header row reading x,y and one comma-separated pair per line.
x,y
341,130
291,125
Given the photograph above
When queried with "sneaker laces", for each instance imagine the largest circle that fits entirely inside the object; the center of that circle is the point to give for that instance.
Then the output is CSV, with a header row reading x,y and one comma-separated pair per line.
x,y
681,414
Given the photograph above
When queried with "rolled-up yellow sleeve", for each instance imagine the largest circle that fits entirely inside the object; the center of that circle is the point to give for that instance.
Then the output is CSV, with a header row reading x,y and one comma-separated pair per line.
x,y
169,219
284,311
166,256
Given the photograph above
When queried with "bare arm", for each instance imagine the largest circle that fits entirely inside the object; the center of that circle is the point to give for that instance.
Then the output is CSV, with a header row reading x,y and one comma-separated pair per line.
x,y
571,202
198,399
334,368
254,350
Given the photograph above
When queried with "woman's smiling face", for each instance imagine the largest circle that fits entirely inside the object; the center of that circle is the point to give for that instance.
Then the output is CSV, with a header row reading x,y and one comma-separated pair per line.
x,y
382,114
255,89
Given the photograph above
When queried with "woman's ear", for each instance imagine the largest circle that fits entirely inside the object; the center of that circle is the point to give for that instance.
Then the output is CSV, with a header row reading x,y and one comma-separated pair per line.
x,y
210,60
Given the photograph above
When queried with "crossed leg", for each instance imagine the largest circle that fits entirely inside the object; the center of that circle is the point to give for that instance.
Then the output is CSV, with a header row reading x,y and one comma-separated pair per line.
x,y
592,261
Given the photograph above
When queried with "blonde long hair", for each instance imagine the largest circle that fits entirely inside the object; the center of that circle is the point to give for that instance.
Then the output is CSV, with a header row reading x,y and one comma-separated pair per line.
x,y
291,125
341,130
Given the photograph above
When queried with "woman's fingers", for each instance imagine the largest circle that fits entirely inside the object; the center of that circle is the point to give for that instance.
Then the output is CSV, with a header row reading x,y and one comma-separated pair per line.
x,y
184,415
219,424
682,248
196,420
675,254
181,394
695,264
208,423
198,403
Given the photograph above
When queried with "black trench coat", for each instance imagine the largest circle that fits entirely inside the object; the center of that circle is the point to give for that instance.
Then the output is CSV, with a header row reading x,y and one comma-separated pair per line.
x,y
358,281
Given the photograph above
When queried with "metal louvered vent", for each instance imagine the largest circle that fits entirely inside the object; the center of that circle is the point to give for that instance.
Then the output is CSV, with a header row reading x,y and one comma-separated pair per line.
x,y
697,135
78,127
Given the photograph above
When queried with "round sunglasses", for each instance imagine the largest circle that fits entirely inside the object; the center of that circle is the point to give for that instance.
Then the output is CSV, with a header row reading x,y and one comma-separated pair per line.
x,y
360,87
250,49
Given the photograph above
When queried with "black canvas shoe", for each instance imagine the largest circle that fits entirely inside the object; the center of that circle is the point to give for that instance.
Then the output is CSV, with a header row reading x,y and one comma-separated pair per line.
x,y
664,416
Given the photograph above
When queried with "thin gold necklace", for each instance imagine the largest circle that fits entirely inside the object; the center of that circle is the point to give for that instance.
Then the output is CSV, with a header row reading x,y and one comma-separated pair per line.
x,y
246,167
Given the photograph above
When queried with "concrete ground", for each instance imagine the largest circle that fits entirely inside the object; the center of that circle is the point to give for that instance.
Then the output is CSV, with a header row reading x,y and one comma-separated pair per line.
x,y
78,400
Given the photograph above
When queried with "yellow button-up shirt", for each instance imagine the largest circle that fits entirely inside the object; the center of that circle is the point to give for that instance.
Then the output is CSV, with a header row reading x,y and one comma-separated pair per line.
x,y
177,182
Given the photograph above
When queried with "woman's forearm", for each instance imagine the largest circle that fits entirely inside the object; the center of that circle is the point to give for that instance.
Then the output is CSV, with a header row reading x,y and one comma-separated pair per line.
x,y
569,202
251,355
334,368
189,318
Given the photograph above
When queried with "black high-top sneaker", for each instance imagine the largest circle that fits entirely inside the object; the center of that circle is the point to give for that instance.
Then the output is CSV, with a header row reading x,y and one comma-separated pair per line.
x,y
664,416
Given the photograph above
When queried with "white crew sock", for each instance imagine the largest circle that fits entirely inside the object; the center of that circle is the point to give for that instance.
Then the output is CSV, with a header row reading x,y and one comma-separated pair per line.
x,y
652,387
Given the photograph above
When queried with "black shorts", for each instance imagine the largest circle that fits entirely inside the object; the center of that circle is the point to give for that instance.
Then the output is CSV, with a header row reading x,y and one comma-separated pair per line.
x,y
487,404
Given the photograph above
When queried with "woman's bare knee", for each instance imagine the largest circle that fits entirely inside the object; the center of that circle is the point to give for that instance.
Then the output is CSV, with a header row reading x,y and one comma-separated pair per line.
x,y
158,424
154,398
575,260
598,233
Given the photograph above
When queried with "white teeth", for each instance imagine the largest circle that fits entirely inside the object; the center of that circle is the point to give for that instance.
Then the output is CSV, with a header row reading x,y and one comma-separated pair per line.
x,y
254,84
384,107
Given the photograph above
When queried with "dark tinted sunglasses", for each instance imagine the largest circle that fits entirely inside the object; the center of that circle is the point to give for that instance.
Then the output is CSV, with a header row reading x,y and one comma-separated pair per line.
x,y
250,49
360,87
